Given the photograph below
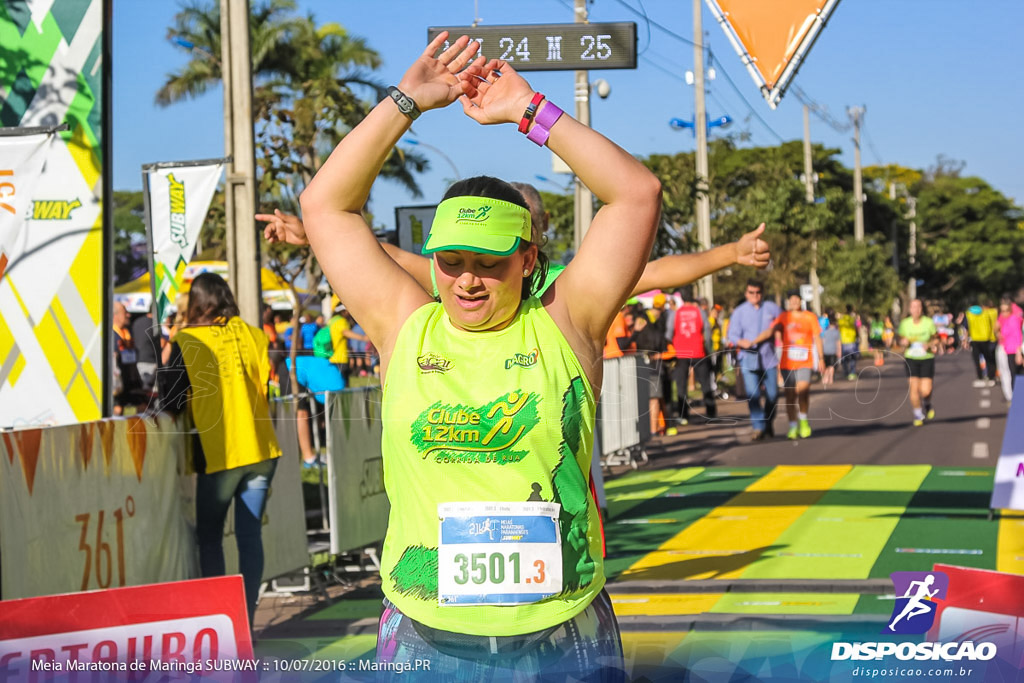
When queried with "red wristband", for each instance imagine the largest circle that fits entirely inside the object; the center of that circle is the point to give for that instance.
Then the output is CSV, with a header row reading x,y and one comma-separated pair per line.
x,y
531,109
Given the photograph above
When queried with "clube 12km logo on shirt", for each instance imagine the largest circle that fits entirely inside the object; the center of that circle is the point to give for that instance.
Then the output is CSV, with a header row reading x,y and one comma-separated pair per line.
x,y
917,596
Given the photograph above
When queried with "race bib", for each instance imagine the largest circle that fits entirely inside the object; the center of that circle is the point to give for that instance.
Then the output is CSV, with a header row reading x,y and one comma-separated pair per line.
x,y
498,553
128,356
917,350
797,353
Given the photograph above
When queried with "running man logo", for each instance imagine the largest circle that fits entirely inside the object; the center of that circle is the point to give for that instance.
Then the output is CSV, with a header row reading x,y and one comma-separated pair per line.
x,y
473,215
176,193
53,209
525,360
916,593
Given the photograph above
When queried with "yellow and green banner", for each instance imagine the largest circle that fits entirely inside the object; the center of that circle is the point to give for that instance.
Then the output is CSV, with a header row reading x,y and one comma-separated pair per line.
x,y
52,72
178,197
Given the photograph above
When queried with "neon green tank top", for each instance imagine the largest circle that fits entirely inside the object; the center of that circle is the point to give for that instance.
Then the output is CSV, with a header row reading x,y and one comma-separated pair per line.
x,y
504,421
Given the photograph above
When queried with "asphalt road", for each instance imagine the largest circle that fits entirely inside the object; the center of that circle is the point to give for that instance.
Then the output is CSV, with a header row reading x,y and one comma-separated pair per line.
x,y
865,421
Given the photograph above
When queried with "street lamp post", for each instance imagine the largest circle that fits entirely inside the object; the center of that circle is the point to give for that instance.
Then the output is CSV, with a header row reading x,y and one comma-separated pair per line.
x,y
418,143
681,124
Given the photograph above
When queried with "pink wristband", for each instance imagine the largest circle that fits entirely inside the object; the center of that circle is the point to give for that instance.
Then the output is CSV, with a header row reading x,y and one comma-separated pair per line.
x,y
542,123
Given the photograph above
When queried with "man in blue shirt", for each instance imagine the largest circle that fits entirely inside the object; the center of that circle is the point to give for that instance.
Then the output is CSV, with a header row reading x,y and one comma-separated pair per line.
x,y
758,364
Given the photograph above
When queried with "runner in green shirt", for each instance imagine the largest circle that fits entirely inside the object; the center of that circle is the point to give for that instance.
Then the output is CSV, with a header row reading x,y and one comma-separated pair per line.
x,y
918,336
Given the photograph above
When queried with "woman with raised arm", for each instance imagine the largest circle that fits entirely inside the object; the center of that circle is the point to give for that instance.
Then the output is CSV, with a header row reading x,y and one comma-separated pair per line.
x,y
492,561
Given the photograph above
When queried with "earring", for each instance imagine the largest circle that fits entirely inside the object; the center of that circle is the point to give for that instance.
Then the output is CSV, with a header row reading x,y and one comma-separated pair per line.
x,y
525,272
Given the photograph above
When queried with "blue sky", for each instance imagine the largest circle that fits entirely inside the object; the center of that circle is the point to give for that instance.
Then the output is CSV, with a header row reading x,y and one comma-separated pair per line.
x,y
938,77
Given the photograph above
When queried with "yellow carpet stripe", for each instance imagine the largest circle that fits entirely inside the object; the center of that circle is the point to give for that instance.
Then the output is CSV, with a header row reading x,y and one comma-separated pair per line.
x,y
1010,548
662,604
733,536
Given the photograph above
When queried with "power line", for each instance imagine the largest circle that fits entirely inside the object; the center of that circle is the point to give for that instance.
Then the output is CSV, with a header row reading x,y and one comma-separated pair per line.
x,y
707,46
757,116
871,145
820,111
651,22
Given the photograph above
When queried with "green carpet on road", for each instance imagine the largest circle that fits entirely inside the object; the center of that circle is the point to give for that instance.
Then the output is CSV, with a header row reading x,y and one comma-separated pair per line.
x,y
841,536
645,526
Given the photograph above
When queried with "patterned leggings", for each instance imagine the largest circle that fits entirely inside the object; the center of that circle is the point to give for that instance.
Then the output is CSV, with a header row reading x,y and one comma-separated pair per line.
x,y
588,647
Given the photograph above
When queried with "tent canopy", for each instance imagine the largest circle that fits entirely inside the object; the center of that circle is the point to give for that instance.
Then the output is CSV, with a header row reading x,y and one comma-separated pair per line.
x,y
137,294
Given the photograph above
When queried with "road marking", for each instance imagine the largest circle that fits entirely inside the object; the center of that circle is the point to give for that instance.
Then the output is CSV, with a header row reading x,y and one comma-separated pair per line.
x,y
979,450
985,403
983,423
942,551
986,392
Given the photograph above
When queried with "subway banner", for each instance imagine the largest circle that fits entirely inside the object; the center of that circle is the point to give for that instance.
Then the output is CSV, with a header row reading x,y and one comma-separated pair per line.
x,y
772,37
178,196
52,72
98,505
21,164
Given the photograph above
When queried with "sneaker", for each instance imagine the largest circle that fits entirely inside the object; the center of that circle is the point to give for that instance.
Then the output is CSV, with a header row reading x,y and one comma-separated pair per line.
x,y
671,431
930,414
682,422
310,464
804,429
917,422
990,383
978,383
792,433
757,436
852,376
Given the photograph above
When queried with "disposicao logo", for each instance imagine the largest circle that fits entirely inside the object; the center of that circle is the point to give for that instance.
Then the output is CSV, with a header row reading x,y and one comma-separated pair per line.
x,y
916,593
914,613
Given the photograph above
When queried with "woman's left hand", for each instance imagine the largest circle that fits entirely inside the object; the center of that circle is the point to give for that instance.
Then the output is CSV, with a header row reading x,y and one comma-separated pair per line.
x,y
435,82
751,250
494,92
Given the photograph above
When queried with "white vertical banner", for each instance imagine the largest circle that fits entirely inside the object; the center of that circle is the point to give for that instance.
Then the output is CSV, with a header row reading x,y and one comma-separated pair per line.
x,y
21,165
1008,486
178,197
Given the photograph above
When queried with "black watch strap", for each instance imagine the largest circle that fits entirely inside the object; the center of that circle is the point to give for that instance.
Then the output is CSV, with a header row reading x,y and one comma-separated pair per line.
x,y
406,104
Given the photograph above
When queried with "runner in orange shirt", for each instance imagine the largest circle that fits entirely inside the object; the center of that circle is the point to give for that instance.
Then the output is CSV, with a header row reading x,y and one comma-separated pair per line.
x,y
800,331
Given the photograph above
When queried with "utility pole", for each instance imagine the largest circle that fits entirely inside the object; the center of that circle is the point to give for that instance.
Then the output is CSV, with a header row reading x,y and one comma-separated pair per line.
x,y
243,247
809,186
700,129
583,199
857,115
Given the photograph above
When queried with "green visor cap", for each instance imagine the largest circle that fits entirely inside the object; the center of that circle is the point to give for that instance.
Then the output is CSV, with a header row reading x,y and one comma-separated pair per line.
x,y
480,224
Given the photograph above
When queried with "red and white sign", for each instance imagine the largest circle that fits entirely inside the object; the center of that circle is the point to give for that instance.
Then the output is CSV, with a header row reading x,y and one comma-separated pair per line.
x,y
184,627
982,606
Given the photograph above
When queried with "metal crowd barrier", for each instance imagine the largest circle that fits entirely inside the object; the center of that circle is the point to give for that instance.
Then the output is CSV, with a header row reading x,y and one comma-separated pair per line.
x,y
623,426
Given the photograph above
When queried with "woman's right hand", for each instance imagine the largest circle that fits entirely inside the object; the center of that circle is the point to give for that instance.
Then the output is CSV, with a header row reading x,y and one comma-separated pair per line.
x,y
433,82
283,227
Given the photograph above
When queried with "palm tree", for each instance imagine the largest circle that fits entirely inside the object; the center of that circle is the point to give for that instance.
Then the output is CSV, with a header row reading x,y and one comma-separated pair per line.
x,y
306,79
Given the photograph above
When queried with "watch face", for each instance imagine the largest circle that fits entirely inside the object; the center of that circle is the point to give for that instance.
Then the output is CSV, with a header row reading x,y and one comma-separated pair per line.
x,y
404,102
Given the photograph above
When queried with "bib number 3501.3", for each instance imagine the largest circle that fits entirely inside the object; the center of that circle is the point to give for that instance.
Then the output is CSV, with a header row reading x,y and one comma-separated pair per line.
x,y
498,553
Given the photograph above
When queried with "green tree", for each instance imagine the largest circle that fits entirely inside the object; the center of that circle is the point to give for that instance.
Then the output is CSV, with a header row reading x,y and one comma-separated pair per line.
x,y
130,249
969,238
857,273
307,79
559,239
